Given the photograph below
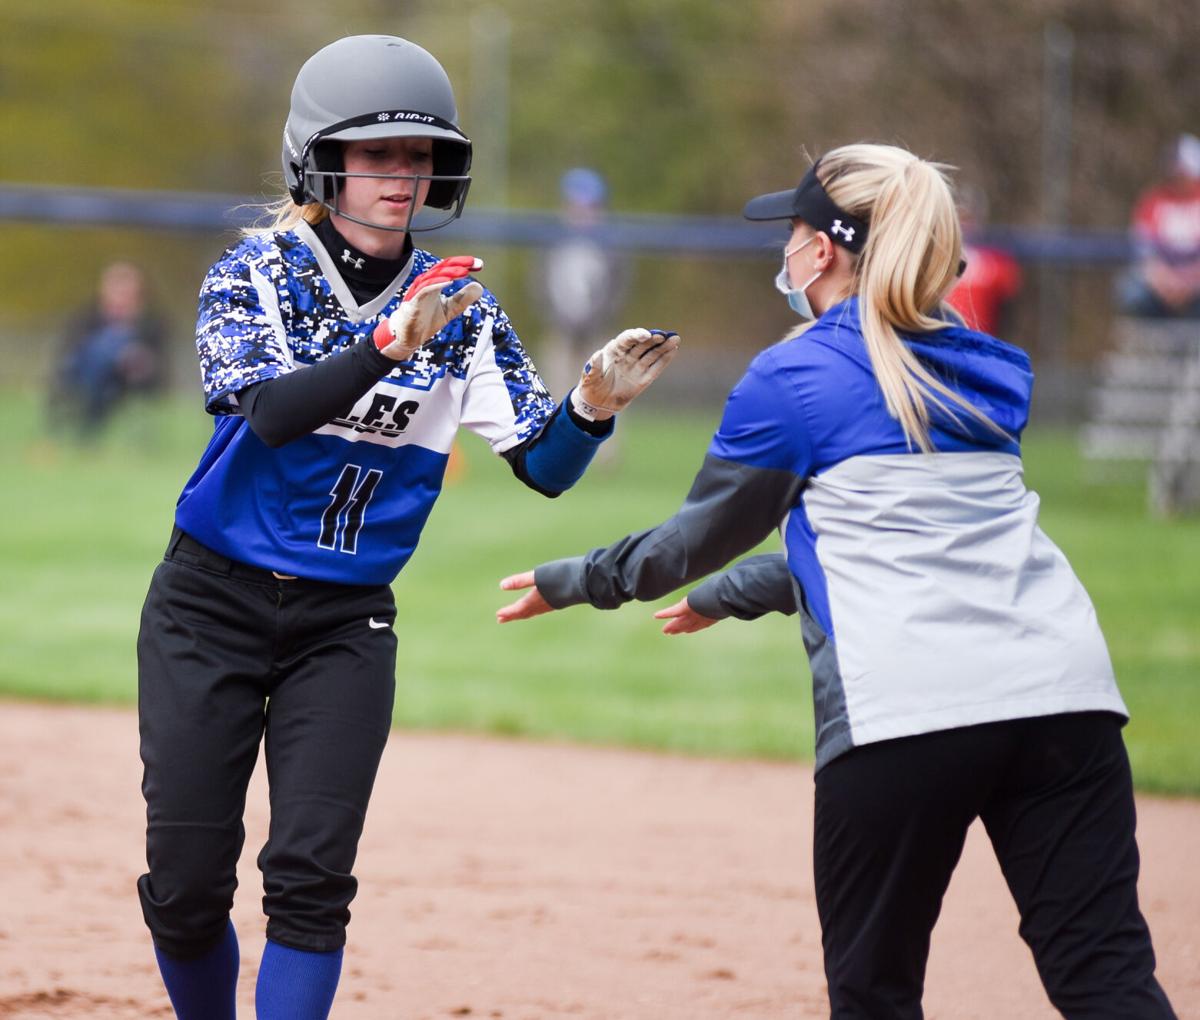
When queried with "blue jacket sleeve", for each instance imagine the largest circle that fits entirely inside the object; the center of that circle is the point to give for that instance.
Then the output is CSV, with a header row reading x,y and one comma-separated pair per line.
x,y
763,424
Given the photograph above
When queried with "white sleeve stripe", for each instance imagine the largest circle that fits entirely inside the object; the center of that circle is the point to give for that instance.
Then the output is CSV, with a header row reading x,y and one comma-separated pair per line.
x,y
268,300
487,408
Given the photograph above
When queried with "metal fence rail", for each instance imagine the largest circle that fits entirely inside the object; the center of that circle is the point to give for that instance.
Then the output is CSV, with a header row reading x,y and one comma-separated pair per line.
x,y
702,236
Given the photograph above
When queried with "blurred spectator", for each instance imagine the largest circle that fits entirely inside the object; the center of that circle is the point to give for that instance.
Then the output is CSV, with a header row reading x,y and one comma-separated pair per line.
x,y
582,280
112,348
1165,281
992,278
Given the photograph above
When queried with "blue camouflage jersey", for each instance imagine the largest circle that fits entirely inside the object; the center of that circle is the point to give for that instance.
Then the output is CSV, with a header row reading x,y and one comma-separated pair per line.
x,y
347,502
929,596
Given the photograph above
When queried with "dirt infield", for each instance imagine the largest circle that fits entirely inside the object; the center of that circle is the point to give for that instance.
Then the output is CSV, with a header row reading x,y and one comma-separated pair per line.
x,y
518,881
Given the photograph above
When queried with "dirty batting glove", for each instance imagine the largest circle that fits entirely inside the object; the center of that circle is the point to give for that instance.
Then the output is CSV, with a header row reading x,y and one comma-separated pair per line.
x,y
615,375
425,309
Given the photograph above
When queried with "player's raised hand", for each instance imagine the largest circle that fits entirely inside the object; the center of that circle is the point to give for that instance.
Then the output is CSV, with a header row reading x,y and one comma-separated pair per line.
x,y
528,605
617,373
683,619
425,309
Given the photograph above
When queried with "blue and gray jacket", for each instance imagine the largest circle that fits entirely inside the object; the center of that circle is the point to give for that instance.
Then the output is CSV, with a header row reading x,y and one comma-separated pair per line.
x,y
929,597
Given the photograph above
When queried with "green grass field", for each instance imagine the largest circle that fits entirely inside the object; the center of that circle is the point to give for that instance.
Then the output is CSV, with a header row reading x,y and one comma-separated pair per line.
x,y
84,528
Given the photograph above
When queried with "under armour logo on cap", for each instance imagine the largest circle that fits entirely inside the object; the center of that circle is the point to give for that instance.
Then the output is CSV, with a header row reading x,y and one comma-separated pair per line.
x,y
810,203
351,260
846,232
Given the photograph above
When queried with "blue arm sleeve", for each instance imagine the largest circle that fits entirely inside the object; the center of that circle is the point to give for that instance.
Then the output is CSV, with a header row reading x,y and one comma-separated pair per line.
x,y
556,458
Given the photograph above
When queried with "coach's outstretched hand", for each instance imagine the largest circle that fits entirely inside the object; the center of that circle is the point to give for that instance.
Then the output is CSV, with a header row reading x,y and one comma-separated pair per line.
x,y
425,309
615,375
528,605
683,619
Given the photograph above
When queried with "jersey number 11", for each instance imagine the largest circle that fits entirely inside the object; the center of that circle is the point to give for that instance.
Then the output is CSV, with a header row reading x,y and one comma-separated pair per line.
x,y
343,517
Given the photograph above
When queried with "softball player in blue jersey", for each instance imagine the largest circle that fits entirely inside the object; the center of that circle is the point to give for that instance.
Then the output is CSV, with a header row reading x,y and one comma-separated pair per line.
x,y
958,668
339,361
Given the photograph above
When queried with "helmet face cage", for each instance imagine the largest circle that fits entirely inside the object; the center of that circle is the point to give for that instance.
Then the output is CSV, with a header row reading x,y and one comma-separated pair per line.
x,y
320,172
428,217
409,96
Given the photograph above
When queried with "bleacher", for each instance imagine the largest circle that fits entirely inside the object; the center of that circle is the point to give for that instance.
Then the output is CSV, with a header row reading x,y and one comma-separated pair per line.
x,y
1145,408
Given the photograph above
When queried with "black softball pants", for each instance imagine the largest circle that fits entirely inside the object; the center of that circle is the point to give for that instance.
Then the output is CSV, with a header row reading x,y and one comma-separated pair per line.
x,y
1056,798
228,655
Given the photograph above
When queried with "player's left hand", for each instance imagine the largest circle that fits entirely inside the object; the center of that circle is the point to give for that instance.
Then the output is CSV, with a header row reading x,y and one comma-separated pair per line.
x,y
425,309
528,605
617,373
683,619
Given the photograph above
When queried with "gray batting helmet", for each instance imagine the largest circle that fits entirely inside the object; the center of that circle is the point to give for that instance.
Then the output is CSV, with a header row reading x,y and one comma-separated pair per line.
x,y
373,86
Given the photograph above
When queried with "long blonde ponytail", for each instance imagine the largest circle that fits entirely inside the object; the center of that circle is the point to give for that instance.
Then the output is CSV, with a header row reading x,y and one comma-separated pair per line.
x,y
902,276
283,214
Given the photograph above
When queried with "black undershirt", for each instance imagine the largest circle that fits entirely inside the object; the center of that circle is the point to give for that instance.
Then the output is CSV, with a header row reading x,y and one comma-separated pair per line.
x,y
297,403
365,275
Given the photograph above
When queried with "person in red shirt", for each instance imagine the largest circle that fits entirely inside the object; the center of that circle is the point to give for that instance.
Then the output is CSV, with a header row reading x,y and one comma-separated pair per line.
x,y
1165,280
992,277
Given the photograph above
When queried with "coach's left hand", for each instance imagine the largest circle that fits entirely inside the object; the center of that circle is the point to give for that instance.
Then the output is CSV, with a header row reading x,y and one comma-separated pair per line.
x,y
528,605
683,619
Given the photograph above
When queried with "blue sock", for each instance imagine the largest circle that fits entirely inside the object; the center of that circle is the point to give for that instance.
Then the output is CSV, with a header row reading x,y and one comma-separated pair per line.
x,y
205,987
296,985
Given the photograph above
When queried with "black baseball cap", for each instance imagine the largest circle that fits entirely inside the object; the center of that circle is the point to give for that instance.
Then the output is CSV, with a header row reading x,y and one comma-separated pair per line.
x,y
810,202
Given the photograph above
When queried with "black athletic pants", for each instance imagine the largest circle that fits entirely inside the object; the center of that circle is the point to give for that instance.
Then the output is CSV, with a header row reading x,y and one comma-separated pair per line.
x,y
1056,798
228,654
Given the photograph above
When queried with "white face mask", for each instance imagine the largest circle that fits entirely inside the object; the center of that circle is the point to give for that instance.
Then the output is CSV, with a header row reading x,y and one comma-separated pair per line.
x,y
797,299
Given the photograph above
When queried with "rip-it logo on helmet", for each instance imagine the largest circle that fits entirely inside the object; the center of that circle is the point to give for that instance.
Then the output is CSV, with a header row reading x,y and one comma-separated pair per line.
x,y
424,118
